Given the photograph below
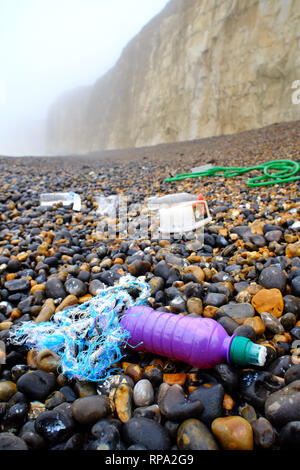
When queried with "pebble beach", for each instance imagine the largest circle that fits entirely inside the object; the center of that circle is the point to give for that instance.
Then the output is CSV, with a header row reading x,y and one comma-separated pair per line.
x,y
246,276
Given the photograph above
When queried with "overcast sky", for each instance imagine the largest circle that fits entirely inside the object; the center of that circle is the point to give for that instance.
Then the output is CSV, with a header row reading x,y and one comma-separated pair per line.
x,y
50,46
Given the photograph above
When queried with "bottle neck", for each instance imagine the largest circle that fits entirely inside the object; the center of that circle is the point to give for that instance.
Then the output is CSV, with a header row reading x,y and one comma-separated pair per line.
x,y
227,347
243,352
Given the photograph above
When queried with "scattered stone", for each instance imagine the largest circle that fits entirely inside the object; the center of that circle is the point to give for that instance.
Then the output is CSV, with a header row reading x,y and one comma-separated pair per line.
x,y
238,312
9,441
256,386
56,425
293,250
67,302
194,435
272,323
36,385
268,300
216,300
283,406
176,407
211,399
123,402
47,310
85,389
146,432
233,433
75,287
89,410
17,285
295,285
246,331
143,393
289,436
194,305
7,390
264,434
280,365
257,324
292,374
55,289
47,360
196,272
273,278
248,412
292,305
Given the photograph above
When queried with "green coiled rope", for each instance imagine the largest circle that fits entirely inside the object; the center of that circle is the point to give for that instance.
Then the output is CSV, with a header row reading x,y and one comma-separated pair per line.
x,y
284,172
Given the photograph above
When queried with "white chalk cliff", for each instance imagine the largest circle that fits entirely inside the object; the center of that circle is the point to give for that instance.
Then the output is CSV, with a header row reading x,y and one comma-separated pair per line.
x,y
199,68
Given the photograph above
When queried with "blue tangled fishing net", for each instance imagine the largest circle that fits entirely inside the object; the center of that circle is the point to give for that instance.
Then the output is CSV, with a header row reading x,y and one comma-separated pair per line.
x,y
88,338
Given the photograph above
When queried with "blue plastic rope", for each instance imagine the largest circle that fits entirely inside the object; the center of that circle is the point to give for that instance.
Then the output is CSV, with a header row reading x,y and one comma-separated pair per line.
x,y
88,338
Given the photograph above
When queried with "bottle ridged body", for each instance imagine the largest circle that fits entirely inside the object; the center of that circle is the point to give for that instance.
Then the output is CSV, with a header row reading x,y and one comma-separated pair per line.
x,y
201,342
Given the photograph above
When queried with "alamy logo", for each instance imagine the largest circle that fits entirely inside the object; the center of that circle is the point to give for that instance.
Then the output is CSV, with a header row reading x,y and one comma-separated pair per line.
x,y
296,94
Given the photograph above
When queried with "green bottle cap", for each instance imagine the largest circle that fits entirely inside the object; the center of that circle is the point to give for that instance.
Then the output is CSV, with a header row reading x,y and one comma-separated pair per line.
x,y
244,352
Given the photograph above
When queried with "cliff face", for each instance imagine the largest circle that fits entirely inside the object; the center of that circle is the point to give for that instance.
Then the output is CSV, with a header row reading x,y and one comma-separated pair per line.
x,y
199,68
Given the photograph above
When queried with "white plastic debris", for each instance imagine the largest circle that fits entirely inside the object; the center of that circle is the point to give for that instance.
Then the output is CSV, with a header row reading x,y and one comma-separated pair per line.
x,y
180,213
67,199
197,169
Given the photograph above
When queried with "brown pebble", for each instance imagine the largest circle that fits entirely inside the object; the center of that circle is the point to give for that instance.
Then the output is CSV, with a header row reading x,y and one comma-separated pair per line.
x,y
47,360
264,435
134,371
257,324
5,325
62,380
67,302
123,402
22,256
210,311
89,410
7,390
228,402
172,379
31,357
194,305
84,298
196,271
248,412
268,300
10,276
233,433
192,434
293,250
46,312
85,389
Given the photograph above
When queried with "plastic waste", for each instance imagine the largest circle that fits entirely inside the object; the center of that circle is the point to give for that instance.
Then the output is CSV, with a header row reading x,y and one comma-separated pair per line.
x,y
181,212
200,342
91,338
70,198
274,172
202,168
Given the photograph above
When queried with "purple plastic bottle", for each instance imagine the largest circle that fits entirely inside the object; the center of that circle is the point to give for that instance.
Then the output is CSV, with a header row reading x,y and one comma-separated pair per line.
x,y
201,342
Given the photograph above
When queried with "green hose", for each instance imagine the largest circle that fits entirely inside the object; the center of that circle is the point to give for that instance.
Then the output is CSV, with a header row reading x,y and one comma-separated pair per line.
x,y
285,171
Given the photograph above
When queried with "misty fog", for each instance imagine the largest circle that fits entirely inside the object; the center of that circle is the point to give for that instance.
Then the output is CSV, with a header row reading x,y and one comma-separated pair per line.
x,y
48,47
